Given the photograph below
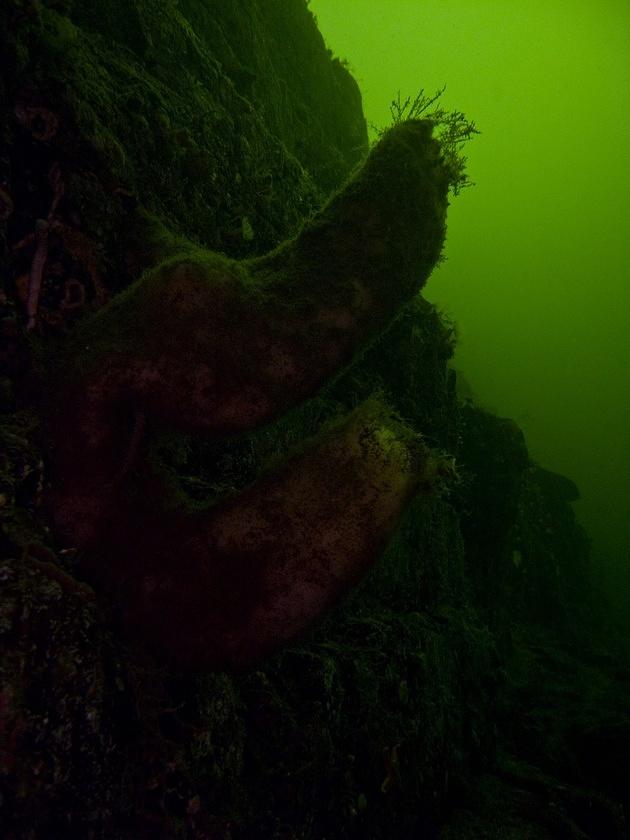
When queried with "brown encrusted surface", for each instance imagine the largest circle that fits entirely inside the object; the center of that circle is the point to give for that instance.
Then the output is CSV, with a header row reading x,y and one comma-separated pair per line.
x,y
65,705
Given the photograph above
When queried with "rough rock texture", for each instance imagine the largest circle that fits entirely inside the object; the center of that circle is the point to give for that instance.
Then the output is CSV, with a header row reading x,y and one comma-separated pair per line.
x,y
66,708
128,129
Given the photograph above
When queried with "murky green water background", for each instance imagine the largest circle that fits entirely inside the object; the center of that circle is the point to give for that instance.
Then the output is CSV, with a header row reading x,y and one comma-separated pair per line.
x,y
538,270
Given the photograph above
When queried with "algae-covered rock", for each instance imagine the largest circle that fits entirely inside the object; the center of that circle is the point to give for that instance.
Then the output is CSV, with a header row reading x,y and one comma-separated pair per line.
x,y
530,555
168,149
130,133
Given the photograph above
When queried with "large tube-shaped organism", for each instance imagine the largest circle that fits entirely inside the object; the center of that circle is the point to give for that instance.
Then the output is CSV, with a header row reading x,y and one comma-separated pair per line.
x,y
214,346
206,344
226,586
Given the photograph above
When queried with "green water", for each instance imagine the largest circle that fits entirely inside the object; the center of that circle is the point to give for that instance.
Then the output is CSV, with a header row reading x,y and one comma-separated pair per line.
x,y
538,269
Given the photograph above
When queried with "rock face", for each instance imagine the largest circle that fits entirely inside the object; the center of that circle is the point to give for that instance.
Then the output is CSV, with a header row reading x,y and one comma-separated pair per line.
x,y
64,695
157,148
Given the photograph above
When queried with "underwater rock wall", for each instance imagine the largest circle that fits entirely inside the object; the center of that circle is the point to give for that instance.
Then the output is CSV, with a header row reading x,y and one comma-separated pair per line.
x,y
110,106
527,556
129,128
